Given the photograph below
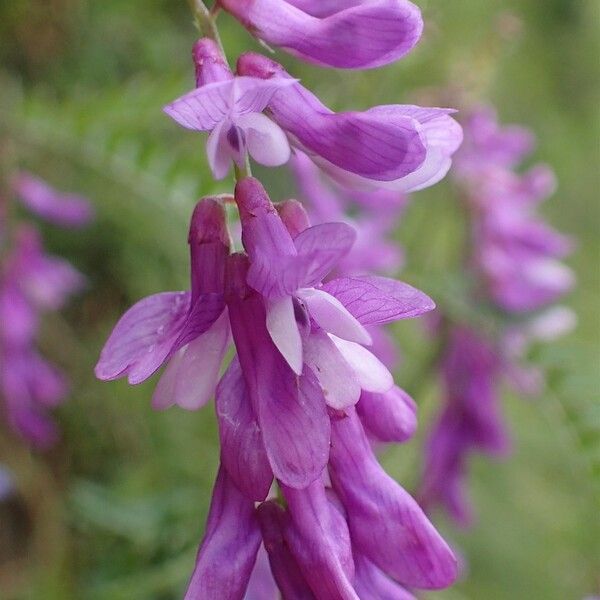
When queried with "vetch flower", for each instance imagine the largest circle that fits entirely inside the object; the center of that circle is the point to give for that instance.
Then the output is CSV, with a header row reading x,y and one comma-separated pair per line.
x,y
230,108
68,210
386,524
184,328
395,147
228,551
344,34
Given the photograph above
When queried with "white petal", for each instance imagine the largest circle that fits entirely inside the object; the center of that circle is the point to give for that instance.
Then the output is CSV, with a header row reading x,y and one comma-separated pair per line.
x,y
265,140
283,329
333,316
337,379
218,151
191,375
371,373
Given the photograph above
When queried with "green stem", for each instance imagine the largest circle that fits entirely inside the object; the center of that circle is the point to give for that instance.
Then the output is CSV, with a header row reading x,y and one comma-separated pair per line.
x,y
205,20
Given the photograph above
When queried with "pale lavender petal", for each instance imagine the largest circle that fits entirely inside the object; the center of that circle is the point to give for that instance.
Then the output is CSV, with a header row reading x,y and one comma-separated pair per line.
x,y
321,247
143,337
388,417
265,140
357,36
242,450
190,378
371,373
337,379
228,551
205,107
64,209
377,300
283,329
331,315
218,151
386,524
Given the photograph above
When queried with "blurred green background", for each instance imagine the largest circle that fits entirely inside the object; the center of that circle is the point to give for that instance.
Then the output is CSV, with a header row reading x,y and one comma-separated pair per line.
x,y
117,509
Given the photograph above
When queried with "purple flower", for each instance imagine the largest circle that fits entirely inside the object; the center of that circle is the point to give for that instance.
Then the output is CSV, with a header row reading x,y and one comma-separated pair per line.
x,y
31,282
344,34
320,326
375,216
67,210
290,410
386,524
230,108
47,282
469,422
179,327
228,551
395,147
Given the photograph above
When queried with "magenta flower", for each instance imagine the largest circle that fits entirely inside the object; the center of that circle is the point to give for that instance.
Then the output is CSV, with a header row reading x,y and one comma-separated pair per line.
x,y
230,108
67,210
386,524
516,263
178,327
344,34
287,272
470,422
32,282
395,147
231,541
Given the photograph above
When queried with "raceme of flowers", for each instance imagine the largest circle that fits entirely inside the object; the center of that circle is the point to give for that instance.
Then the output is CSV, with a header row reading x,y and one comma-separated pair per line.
x,y
516,260
301,507
32,283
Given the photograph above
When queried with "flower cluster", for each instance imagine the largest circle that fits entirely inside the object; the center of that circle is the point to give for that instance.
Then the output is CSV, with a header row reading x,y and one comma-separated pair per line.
x,y
515,260
32,282
301,507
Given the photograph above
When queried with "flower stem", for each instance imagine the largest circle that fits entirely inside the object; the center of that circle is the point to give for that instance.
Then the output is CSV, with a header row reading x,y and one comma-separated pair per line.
x,y
205,20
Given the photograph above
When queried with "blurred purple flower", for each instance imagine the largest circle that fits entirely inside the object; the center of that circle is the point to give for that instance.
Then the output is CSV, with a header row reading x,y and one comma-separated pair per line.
x,y
67,210
516,262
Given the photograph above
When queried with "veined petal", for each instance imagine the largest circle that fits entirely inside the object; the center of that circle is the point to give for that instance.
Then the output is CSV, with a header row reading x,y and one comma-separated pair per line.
x,y
144,337
359,35
371,373
332,316
337,379
377,300
191,376
204,313
321,248
282,327
205,107
265,140
242,450
386,524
